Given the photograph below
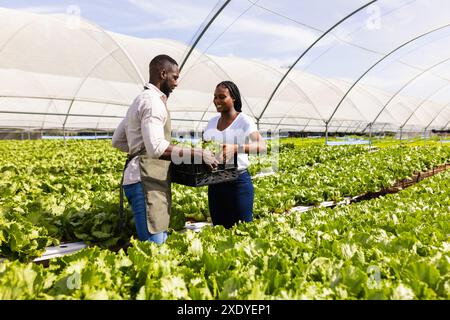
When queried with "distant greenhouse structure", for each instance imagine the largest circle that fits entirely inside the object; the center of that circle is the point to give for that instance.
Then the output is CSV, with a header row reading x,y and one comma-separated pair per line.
x,y
61,78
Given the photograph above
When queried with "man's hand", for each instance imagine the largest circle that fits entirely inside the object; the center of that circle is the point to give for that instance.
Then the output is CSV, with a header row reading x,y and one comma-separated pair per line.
x,y
209,159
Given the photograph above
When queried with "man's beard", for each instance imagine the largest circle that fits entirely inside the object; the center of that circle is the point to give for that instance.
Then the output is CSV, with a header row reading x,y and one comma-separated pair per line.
x,y
165,88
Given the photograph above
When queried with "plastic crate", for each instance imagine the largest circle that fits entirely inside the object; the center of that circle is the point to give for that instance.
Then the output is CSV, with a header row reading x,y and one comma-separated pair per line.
x,y
197,175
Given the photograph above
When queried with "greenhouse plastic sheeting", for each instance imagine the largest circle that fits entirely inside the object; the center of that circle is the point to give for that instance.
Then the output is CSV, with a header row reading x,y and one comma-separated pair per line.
x,y
383,66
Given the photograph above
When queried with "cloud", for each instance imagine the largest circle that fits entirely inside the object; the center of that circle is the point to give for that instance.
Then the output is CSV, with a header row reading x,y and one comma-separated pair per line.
x,y
281,32
166,15
44,9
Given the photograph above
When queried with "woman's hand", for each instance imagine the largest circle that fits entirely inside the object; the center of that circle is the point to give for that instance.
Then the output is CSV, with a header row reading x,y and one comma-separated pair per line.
x,y
227,152
209,160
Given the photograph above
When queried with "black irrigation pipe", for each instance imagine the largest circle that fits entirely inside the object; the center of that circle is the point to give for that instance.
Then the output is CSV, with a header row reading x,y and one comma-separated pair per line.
x,y
401,185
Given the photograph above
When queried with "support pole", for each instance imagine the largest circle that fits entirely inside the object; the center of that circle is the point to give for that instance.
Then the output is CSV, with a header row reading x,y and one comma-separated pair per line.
x,y
401,134
370,134
326,133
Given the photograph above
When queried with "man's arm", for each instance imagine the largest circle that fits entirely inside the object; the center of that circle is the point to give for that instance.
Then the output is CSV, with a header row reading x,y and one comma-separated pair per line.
x,y
152,126
119,139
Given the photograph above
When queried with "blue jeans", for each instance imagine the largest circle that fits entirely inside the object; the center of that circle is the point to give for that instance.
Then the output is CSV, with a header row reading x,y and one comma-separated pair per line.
x,y
231,202
136,197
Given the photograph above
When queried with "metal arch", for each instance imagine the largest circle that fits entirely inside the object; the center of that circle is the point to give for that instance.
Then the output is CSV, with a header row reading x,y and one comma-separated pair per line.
x,y
44,89
379,61
445,127
274,70
355,31
333,86
218,37
59,114
16,33
86,77
295,85
111,38
285,116
120,47
375,98
407,84
50,102
243,98
423,101
102,112
328,83
307,98
445,107
307,50
306,125
65,99
203,32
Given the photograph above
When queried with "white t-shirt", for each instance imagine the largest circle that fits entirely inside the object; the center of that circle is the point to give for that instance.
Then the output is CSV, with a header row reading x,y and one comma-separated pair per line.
x,y
238,132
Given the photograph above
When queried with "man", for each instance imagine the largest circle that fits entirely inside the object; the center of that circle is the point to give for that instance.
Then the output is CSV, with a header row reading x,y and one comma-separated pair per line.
x,y
145,135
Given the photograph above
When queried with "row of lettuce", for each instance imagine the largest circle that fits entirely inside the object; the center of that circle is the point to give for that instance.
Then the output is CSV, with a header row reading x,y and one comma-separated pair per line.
x,y
52,192
394,247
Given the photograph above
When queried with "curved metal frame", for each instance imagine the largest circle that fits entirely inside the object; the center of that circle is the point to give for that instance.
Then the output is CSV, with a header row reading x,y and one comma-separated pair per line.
x,y
405,85
437,115
378,62
60,114
86,77
243,98
19,30
355,31
116,103
445,127
307,50
202,33
423,101
119,47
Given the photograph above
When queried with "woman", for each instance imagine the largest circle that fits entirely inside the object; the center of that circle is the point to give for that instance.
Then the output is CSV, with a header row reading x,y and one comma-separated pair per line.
x,y
231,202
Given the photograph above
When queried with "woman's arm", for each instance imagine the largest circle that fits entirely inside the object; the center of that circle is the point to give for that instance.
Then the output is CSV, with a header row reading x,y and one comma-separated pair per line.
x,y
256,146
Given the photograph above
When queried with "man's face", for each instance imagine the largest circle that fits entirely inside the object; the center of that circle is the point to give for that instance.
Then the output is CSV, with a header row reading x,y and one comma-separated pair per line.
x,y
170,79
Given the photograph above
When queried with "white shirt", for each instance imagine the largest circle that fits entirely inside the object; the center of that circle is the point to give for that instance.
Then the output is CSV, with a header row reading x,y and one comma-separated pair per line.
x,y
143,126
238,132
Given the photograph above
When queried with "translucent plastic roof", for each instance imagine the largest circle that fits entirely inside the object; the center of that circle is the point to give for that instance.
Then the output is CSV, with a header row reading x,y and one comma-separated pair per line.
x,y
303,65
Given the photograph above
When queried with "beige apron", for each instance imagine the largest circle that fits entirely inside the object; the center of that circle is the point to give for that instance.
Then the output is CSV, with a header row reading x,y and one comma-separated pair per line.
x,y
156,182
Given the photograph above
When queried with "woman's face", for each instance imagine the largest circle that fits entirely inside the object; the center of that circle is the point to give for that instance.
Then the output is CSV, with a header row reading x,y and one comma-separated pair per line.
x,y
223,100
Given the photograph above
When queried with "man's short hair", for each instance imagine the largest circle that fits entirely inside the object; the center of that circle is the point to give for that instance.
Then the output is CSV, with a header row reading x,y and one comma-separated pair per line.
x,y
162,61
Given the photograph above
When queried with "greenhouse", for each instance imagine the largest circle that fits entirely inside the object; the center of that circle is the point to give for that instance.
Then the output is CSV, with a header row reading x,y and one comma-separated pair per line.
x,y
347,158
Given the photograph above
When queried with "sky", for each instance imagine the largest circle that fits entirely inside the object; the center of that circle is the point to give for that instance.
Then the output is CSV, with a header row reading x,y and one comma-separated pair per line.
x,y
278,32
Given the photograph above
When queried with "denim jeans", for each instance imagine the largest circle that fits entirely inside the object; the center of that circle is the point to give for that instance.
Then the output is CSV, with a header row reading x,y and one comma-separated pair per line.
x,y
231,202
136,197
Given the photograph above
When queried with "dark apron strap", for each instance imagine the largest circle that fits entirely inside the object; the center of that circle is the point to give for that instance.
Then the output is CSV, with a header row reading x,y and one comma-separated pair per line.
x,y
121,213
